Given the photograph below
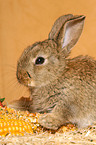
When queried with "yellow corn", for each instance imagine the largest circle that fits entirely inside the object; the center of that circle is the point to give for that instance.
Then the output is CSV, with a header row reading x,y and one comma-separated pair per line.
x,y
14,127
19,123
14,122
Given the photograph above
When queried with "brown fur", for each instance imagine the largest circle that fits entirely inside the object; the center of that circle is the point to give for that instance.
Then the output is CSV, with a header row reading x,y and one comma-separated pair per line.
x,y
63,88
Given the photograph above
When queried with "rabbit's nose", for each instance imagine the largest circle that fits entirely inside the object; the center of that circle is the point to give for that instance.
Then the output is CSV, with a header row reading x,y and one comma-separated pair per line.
x,y
28,74
23,76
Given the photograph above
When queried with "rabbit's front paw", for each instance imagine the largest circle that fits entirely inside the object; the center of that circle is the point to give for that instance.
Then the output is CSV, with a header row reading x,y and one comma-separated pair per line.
x,y
21,104
49,121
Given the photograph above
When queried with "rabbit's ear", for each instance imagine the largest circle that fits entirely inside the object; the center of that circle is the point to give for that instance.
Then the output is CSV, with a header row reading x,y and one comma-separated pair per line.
x,y
66,31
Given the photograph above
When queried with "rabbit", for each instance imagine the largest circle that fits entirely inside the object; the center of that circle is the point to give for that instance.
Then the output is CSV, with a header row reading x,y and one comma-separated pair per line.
x,y
62,89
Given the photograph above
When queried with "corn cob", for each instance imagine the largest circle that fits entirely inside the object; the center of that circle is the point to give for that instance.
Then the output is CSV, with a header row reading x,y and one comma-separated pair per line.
x,y
14,127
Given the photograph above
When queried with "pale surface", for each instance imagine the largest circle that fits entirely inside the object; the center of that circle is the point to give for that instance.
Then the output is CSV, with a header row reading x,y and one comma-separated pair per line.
x,y
23,22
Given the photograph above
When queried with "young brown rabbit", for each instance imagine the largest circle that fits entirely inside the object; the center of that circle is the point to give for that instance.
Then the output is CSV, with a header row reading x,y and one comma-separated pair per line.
x,y
63,88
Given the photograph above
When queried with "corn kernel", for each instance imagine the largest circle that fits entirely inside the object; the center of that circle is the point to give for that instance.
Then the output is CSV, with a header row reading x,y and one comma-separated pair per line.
x,y
29,127
1,124
15,123
5,129
13,129
1,130
5,123
10,129
35,127
17,128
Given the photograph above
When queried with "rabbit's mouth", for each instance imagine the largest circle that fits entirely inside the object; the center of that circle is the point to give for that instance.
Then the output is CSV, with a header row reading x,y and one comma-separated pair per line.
x,y
31,83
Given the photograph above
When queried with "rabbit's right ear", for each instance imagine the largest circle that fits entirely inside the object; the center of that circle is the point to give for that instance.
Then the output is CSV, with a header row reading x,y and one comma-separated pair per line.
x,y
66,31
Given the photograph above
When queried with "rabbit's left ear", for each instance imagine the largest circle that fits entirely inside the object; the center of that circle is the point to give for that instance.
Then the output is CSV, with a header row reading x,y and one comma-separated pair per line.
x,y
69,31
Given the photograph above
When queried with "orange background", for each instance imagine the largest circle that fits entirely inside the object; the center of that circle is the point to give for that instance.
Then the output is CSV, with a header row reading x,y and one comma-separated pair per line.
x,y
23,22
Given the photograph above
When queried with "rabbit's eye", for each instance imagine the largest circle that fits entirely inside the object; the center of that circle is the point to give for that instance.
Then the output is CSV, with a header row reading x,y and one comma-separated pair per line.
x,y
39,60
